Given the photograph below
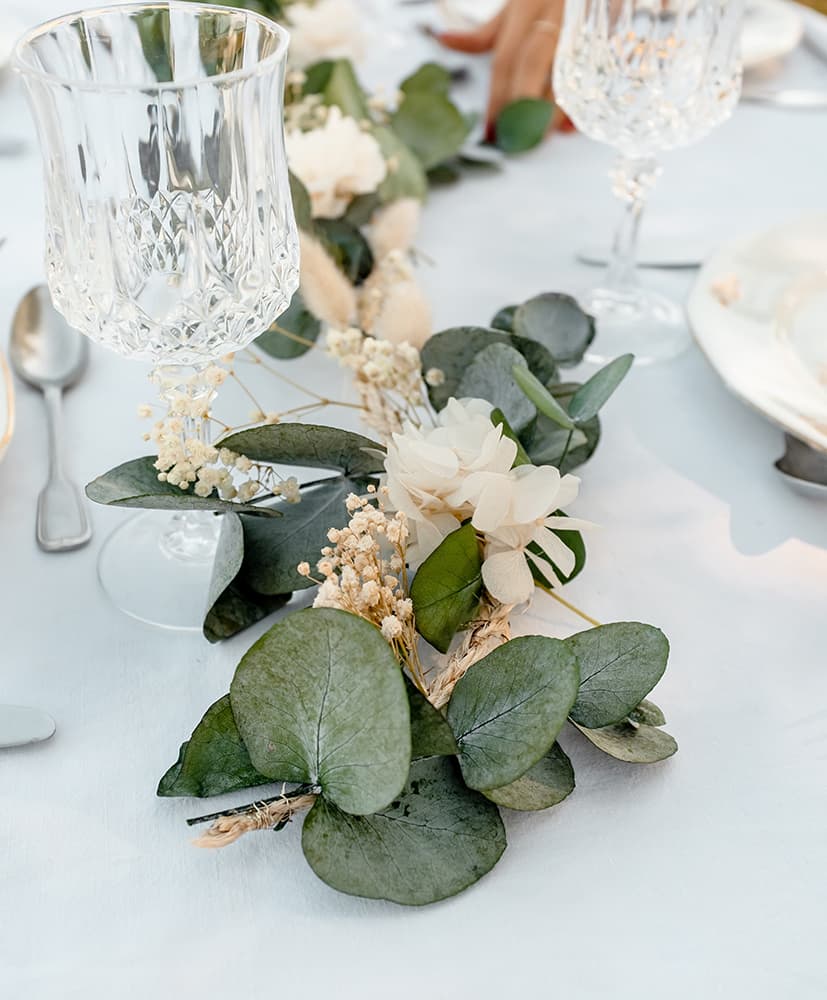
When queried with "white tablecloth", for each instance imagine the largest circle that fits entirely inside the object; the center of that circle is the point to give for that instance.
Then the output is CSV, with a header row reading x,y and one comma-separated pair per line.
x,y
700,877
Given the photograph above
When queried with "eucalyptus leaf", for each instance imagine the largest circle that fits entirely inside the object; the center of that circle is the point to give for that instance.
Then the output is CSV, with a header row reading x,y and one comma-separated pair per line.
x,y
232,605
648,714
302,206
431,735
342,88
309,445
631,743
348,248
271,557
452,351
447,586
545,785
214,759
434,840
523,124
317,76
489,376
431,126
430,78
619,665
507,710
136,484
408,180
548,444
360,210
504,319
320,699
590,398
559,324
293,333
447,172
539,395
498,420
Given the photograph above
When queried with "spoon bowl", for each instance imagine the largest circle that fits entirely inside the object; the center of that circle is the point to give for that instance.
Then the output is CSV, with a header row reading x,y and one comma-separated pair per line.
x,y
44,350
51,356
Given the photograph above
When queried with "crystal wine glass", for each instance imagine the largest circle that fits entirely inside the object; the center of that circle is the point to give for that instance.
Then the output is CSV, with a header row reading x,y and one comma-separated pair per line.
x,y
170,234
644,76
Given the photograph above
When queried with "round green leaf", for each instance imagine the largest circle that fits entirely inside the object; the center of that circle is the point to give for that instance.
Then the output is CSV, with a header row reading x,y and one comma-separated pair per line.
x,y
648,714
214,760
434,840
632,744
431,125
348,247
431,735
320,700
619,665
136,484
452,351
447,586
312,445
558,323
232,604
509,707
271,557
523,124
299,322
489,377
504,319
545,785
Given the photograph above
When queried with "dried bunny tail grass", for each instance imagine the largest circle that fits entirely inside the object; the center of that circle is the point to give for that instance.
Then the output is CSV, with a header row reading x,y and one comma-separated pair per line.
x,y
405,316
395,227
489,631
326,291
227,829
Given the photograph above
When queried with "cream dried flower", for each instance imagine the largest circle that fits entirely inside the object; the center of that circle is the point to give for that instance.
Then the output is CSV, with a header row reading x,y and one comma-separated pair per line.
x,y
335,162
327,29
428,470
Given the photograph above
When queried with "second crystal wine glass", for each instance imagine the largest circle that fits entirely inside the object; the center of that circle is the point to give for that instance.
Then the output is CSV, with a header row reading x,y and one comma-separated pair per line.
x,y
170,235
644,76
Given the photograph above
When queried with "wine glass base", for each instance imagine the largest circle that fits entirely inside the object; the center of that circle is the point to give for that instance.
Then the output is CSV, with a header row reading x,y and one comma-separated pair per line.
x,y
148,573
639,322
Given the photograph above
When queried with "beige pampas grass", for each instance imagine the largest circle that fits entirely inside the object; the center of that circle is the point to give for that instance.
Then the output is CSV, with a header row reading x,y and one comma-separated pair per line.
x,y
394,227
326,291
405,315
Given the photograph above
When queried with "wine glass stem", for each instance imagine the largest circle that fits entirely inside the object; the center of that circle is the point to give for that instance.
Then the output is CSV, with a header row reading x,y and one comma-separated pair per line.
x,y
191,535
632,178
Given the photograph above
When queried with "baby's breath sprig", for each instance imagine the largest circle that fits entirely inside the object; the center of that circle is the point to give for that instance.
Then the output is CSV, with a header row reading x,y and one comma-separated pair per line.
x,y
363,571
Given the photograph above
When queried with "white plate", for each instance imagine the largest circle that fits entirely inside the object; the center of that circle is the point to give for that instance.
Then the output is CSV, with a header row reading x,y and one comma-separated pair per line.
x,y
772,28
6,405
764,345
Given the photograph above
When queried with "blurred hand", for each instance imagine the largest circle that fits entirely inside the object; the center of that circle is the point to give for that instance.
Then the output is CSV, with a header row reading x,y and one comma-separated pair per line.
x,y
523,37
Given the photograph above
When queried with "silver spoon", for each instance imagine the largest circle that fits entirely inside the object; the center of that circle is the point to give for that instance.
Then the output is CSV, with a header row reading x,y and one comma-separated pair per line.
x,y
48,354
804,468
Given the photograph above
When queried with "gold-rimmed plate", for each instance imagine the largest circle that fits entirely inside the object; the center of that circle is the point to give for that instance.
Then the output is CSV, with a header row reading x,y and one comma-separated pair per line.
x,y
6,405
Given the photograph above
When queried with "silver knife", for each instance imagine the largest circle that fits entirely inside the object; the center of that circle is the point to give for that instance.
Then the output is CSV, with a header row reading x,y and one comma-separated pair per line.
x,y
20,726
797,100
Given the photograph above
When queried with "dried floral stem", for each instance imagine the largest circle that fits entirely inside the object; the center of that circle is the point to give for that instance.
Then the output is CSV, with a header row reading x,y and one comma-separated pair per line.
x,y
265,814
490,630
569,605
293,336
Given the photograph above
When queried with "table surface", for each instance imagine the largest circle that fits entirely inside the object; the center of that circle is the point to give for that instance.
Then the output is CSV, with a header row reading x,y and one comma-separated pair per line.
x,y
703,876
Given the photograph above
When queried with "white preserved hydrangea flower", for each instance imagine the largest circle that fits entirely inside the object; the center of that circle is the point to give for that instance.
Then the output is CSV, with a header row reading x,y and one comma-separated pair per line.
x,y
336,162
428,472
533,494
327,29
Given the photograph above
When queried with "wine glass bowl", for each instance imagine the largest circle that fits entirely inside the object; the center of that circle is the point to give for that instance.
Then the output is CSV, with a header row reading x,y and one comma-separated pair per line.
x,y
644,76
170,234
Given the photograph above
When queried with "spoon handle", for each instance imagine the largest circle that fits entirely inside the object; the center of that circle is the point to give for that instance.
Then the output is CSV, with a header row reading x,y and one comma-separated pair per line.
x,y
62,523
